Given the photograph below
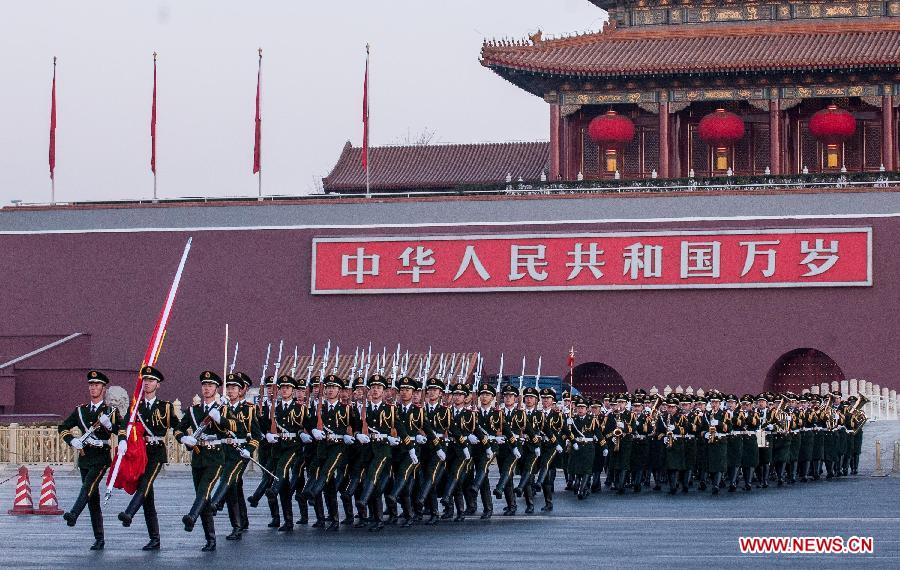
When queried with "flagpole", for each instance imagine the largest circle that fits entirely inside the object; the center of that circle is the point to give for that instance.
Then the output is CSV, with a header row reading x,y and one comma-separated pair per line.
x,y
153,130
259,126
366,142
53,137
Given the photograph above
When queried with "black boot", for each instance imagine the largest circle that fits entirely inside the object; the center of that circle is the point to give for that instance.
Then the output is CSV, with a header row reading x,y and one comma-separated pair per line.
x,y
273,511
460,503
347,502
81,501
584,487
153,531
375,507
487,501
134,505
97,526
319,509
510,497
197,509
209,529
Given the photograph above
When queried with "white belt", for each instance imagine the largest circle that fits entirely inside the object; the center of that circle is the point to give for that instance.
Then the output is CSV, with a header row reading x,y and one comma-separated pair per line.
x,y
211,442
687,436
286,435
154,439
584,439
334,438
639,436
377,437
94,442
232,440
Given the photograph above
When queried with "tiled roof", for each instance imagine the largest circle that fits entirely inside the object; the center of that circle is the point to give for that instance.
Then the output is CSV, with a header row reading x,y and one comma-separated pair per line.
x,y
706,48
428,167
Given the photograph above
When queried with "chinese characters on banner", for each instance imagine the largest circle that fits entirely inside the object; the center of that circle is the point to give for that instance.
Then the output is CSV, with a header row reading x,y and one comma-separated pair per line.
x,y
559,262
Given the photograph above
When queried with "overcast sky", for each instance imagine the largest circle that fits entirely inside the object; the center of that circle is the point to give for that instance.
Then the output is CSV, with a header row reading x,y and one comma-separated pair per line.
x,y
425,75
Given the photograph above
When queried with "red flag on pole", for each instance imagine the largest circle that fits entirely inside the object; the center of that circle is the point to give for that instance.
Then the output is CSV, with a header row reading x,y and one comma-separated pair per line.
x,y
53,122
153,122
257,144
571,361
365,115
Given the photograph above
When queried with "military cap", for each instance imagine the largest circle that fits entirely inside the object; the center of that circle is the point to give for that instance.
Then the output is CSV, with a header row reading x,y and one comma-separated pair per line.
x,y
638,400
378,380
407,382
607,397
852,399
436,383
593,402
97,377
640,392
269,381
151,372
300,383
530,391
287,380
509,389
747,398
461,388
487,389
245,379
672,400
234,380
360,382
335,380
622,398
836,394
762,397
579,401
210,377
732,398
314,381
548,393
714,396
566,395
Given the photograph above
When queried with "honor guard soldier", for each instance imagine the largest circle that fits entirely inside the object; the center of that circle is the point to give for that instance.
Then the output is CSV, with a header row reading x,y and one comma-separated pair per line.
x,y
210,425
489,425
616,430
552,425
97,422
766,423
671,427
582,431
411,419
716,436
357,459
530,446
157,417
333,432
239,447
855,420
508,452
641,432
434,451
460,435
735,442
807,437
268,458
749,440
382,431
285,425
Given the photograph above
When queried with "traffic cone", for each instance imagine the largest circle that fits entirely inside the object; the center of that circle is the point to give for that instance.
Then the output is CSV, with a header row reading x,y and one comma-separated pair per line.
x,y
48,504
22,504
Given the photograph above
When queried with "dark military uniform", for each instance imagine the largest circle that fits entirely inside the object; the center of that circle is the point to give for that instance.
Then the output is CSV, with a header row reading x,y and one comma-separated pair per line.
x,y
735,443
514,427
208,457
245,438
717,439
671,428
582,433
94,457
641,430
156,418
551,434
290,422
406,455
616,431
766,423
434,453
267,455
530,446
462,425
489,425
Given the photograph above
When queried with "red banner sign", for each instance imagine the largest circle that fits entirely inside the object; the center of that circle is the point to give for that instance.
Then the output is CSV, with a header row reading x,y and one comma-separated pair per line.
x,y
594,261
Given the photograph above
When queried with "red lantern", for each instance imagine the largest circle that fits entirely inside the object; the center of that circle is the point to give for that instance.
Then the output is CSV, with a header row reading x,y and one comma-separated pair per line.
x,y
611,131
721,129
832,126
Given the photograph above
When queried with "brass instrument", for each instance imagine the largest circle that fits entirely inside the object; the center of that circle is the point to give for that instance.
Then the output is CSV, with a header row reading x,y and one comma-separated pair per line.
x,y
617,439
859,414
711,434
761,438
670,438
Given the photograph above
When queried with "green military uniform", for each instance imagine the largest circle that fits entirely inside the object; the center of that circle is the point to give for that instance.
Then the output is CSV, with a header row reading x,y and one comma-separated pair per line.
x,y
97,422
489,425
764,414
551,433
735,442
641,432
434,452
582,434
855,420
462,425
156,417
616,431
716,437
513,425
405,458
267,454
208,457
530,446
290,419
671,427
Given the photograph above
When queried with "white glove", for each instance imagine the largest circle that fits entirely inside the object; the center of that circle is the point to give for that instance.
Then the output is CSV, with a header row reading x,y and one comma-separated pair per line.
x,y
466,453
348,439
620,425
305,438
272,437
393,441
76,443
575,446
570,421
362,438
188,440
472,439
537,451
559,448
123,447
215,415
413,457
770,427
441,455
318,434
501,439
421,439
605,452
245,454
104,421
714,422
670,427
517,453
490,453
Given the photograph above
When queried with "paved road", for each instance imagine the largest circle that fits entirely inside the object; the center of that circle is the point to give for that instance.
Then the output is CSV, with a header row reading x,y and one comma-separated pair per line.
x,y
633,530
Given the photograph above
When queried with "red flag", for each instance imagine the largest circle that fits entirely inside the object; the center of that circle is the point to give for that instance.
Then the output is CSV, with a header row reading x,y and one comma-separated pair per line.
x,y
53,123
365,115
153,122
572,358
257,144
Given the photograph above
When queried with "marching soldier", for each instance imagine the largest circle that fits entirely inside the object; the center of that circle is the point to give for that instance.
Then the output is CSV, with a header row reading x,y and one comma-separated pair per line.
x,y
357,459
764,414
460,434
641,429
238,447
552,425
411,418
98,422
489,425
717,438
735,441
750,449
856,419
210,427
582,430
157,417
268,456
671,427
508,453
286,424
434,452
780,437
298,471
531,448
599,411
794,439
616,430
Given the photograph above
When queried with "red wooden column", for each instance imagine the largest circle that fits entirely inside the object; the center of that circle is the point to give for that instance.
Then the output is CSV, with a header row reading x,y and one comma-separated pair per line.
x,y
775,136
554,141
887,131
663,139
